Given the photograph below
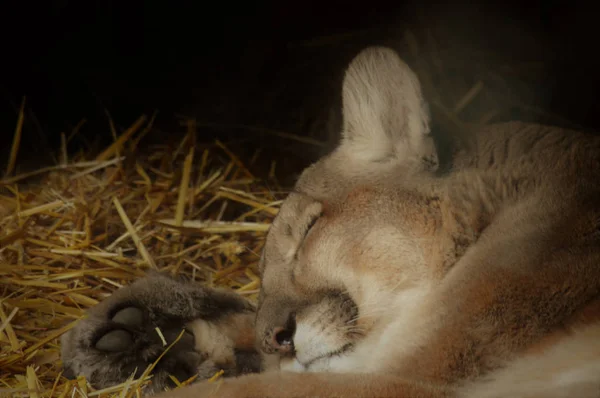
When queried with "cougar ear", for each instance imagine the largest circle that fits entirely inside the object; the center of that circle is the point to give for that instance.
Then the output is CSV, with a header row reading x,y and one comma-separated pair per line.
x,y
384,114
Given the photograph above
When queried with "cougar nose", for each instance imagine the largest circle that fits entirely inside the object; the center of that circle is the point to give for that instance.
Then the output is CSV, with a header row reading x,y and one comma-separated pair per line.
x,y
281,340
276,325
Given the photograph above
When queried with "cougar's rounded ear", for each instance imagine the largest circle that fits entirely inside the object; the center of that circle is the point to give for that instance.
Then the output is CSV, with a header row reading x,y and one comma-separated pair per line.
x,y
384,114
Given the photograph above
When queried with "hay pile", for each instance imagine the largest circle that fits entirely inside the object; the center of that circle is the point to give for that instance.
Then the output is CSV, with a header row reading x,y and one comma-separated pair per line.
x,y
89,226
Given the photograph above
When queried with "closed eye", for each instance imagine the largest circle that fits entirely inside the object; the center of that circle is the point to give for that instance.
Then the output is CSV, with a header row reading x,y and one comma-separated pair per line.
x,y
306,230
311,224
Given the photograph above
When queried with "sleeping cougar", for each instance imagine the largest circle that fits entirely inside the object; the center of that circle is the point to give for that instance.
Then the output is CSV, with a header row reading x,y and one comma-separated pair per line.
x,y
384,277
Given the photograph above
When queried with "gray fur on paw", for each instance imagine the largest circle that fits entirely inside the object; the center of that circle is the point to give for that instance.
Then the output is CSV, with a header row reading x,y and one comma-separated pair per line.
x,y
129,330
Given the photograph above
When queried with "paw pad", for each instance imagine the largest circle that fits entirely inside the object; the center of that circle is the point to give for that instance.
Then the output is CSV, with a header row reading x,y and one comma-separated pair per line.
x,y
115,341
119,339
130,316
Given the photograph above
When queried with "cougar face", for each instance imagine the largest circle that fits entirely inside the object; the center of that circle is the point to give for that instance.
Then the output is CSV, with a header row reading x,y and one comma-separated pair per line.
x,y
344,251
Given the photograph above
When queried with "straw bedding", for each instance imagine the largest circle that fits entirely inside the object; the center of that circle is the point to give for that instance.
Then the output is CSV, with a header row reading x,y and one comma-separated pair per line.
x,y
89,226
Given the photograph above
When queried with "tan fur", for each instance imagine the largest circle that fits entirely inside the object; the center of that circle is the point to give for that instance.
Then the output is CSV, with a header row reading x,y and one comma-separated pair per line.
x,y
481,282
220,338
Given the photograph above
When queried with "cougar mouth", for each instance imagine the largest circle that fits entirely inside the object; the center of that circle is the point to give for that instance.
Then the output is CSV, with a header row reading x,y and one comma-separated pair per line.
x,y
292,363
340,351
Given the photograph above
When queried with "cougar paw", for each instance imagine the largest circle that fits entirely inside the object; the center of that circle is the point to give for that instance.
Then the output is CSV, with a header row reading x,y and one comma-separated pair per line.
x,y
162,321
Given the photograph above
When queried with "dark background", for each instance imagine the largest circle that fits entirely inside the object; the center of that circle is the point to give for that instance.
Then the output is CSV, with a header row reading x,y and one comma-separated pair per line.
x,y
257,63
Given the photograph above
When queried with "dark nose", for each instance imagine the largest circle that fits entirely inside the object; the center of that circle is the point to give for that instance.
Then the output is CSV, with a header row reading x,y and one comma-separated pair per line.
x,y
282,340
276,325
